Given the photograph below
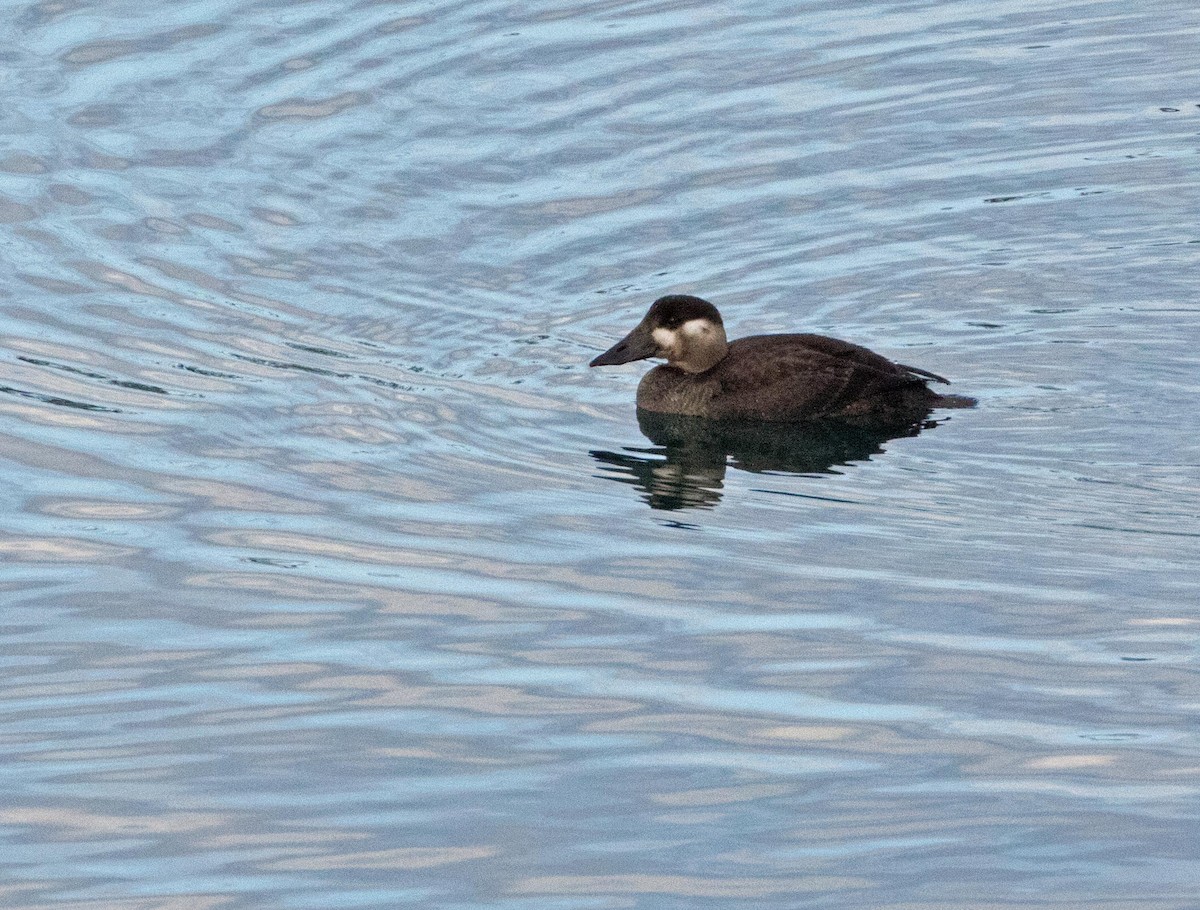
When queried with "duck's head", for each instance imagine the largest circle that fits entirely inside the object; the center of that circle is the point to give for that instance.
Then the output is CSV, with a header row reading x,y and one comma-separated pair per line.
x,y
686,330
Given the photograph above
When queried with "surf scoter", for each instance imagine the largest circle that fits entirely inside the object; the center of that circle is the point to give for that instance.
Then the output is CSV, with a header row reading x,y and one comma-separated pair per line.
x,y
767,377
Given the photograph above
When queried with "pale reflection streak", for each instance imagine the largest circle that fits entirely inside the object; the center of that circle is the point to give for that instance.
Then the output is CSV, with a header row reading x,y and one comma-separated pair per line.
x,y
380,481
241,497
389,691
291,588
728,887
81,824
721,796
44,548
741,729
383,860
194,901
102,510
71,418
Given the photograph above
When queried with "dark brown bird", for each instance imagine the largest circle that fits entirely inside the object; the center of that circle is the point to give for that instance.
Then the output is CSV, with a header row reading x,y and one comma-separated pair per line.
x,y
767,377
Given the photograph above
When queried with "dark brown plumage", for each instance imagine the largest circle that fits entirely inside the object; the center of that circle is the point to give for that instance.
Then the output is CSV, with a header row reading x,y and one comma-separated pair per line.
x,y
767,377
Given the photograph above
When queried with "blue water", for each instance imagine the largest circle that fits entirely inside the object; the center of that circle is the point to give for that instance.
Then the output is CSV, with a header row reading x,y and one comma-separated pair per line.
x,y
333,578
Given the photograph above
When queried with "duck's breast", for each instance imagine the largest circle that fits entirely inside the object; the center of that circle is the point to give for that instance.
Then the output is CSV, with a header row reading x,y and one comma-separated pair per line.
x,y
669,390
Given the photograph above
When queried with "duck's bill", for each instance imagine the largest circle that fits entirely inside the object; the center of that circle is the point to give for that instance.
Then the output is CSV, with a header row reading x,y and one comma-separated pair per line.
x,y
637,345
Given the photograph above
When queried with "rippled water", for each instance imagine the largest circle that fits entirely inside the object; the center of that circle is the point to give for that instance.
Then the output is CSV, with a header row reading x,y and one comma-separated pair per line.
x,y
334,578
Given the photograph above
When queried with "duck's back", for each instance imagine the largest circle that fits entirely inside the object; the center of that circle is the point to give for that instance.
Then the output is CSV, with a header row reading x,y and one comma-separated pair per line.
x,y
792,377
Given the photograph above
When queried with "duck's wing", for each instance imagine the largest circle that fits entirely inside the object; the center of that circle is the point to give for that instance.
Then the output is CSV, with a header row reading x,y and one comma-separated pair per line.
x,y
809,375
861,358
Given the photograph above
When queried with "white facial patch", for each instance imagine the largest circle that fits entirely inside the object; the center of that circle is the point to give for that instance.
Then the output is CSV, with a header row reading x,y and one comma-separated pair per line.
x,y
665,339
668,340
692,347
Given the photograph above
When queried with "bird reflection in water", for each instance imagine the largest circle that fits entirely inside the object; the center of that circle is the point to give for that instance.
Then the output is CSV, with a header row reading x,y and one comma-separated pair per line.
x,y
686,469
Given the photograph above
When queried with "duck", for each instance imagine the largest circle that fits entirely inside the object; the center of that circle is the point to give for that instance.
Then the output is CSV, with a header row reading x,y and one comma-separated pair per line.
x,y
779,378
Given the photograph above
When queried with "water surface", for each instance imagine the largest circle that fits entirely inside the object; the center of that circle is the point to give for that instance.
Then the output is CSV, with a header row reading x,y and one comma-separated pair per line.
x,y
330,578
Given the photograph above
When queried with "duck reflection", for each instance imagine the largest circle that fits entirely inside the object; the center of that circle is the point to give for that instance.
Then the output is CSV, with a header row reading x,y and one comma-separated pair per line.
x,y
686,469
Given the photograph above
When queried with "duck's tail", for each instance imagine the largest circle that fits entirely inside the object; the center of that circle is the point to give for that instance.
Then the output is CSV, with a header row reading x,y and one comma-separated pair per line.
x,y
954,401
